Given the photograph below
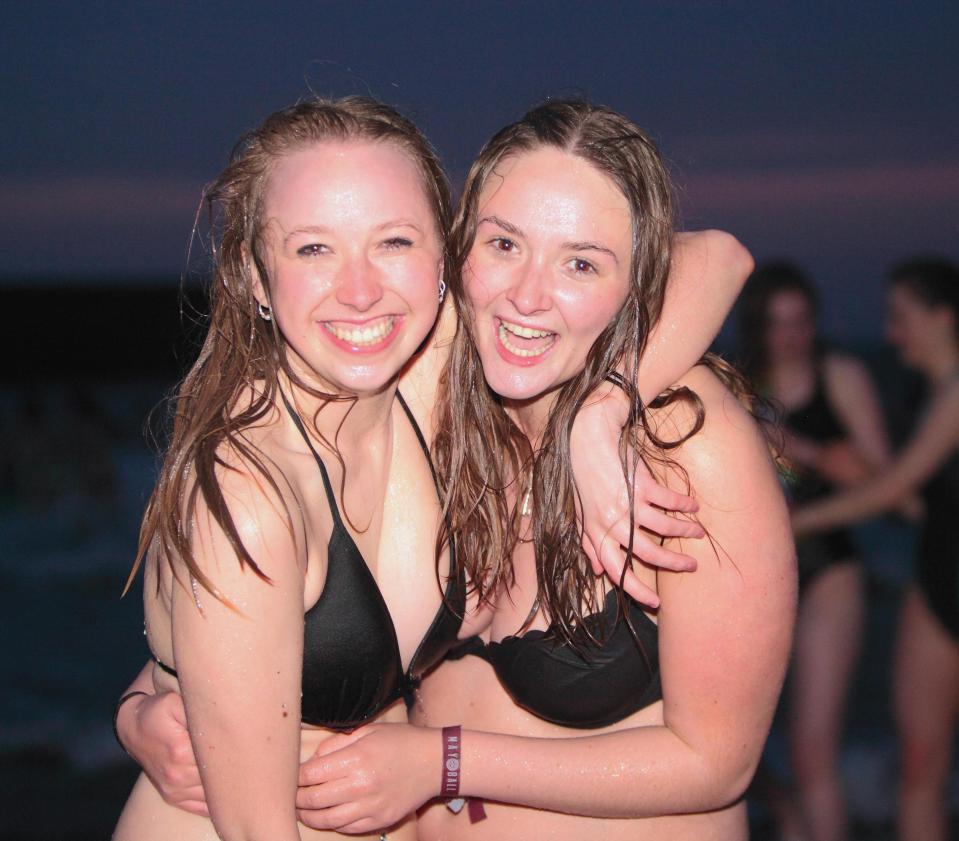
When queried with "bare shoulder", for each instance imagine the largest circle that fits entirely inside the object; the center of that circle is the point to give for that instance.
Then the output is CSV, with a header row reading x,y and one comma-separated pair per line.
x,y
727,462
253,495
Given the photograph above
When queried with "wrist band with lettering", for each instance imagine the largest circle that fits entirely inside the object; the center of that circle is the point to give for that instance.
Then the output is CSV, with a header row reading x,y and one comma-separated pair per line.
x,y
116,715
450,786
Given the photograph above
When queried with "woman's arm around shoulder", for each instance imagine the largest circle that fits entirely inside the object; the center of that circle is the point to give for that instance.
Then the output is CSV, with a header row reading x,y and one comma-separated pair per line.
x,y
707,274
936,437
239,657
725,634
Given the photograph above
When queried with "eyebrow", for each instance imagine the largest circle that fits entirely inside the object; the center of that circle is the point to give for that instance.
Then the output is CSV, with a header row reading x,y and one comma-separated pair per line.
x,y
591,246
509,227
324,229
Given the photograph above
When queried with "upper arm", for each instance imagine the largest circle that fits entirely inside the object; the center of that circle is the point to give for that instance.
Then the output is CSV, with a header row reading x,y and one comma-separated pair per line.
x,y
725,630
707,273
853,395
239,660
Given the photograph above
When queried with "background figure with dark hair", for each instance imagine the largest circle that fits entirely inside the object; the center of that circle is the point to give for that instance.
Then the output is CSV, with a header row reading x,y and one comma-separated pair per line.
x,y
833,435
923,323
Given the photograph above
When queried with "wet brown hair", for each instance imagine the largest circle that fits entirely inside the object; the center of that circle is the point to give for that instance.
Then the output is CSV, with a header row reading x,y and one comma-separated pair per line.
x,y
233,384
764,284
478,446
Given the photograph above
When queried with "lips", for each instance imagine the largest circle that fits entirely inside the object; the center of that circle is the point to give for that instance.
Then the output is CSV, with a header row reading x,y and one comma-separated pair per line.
x,y
522,341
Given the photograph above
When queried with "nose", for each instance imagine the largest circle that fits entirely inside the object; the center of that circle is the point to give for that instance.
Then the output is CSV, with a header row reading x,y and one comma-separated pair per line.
x,y
357,285
530,292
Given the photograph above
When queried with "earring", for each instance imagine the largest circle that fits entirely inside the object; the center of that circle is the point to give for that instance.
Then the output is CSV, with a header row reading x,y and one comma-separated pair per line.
x,y
265,312
442,290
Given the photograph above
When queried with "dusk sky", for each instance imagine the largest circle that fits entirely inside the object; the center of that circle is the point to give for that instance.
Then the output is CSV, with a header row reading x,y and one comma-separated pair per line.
x,y
827,132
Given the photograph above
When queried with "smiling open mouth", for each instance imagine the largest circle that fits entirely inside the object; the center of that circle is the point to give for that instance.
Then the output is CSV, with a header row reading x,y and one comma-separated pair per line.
x,y
525,341
364,335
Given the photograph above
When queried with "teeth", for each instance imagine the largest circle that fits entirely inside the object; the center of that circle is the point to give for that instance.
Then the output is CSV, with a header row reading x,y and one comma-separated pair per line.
x,y
525,332
362,335
504,338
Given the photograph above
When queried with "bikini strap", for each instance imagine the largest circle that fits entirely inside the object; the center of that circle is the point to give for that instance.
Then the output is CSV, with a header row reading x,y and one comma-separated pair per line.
x,y
327,484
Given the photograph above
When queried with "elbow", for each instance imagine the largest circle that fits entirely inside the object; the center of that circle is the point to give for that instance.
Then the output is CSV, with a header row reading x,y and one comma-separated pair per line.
x,y
723,783
723,248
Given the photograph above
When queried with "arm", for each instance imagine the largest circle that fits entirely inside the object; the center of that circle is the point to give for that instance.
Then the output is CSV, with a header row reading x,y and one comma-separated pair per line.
x,y
240,666
852,394
725,636
153,730
704,260
708,271
935,439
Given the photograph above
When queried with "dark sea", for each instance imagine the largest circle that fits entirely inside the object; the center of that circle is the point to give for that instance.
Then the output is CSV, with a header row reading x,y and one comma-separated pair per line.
x,y
75,473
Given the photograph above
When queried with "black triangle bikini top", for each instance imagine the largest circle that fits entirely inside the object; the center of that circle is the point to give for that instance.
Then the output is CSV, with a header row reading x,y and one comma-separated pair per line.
x,y
352,667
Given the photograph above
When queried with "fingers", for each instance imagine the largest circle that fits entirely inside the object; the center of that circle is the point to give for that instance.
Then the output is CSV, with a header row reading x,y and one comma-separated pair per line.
x,y
195,807
172,703
337,741
654,554
614,560
594,561
646,488
666,526
326,796
317,770
330,818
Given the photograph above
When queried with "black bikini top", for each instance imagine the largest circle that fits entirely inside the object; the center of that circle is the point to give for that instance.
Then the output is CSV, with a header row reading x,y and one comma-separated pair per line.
x,y
352,667
594,686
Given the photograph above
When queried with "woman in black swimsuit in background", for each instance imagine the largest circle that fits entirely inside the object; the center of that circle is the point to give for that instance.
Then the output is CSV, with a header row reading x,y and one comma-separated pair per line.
x,y
572,720
923,323
834,437
290,545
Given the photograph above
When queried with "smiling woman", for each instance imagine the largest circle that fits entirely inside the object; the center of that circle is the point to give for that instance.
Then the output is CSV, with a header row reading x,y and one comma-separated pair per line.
x,y
350,256
276,618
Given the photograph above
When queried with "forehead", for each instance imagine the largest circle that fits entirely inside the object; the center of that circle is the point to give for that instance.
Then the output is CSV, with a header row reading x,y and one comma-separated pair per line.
x,y
351,180
554,193
789,302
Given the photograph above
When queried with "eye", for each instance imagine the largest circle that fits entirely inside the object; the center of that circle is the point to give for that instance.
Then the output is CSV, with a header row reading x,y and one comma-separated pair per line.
x,y
314,249
503,244
397,243
581,266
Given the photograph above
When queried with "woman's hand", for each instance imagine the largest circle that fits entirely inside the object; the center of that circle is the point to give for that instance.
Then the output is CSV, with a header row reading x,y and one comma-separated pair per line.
x,y
369,779
153,730
604,500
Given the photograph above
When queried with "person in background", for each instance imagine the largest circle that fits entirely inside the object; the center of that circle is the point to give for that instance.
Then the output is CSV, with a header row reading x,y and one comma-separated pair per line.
x,y
923,324
833,437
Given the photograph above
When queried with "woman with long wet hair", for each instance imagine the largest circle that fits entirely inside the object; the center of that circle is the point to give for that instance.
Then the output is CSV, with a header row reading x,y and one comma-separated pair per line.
x,y
834,437
923,323
577,713
291,546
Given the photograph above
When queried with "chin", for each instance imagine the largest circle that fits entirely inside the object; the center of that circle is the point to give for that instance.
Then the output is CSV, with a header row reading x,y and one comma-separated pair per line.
x,y
517,384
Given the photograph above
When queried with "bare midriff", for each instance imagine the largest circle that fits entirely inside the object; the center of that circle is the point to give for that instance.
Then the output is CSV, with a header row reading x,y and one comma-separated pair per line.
x,y
467,692
147,817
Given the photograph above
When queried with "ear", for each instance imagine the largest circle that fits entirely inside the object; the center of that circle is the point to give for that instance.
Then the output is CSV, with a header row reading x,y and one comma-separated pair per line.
x,y
257,287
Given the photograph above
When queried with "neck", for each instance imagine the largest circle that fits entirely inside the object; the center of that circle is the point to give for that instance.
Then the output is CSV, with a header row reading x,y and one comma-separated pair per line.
x,y
531,415
351,422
